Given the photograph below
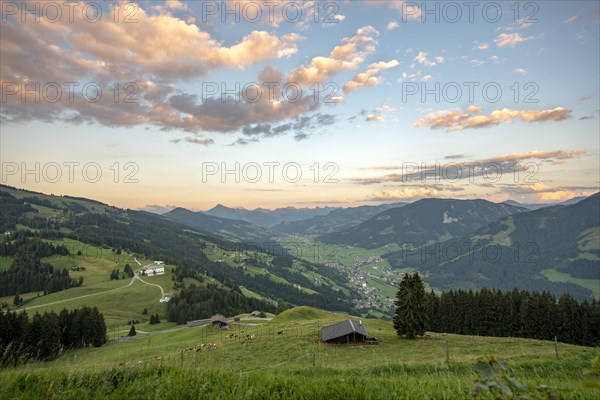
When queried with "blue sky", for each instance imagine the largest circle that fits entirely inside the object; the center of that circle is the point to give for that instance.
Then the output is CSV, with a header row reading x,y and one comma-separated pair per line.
x,y
375,144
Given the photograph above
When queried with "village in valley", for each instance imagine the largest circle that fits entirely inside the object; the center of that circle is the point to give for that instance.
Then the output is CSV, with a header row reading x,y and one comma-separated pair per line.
x,y
368,276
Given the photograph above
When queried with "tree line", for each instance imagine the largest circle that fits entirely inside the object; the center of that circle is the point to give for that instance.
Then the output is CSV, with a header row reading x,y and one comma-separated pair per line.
x,y
45,336
27,272
516,313
195,302
490,312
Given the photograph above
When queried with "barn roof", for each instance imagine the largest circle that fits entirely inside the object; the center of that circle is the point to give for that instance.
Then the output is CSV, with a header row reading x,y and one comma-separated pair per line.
x,y
342,329
218,318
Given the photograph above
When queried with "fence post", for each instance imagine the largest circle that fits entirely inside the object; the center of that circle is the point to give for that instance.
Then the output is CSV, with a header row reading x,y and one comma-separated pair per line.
x,y
556,346
446,345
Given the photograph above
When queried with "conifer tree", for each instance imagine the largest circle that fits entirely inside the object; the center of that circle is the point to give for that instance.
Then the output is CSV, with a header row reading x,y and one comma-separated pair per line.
x,y
411,307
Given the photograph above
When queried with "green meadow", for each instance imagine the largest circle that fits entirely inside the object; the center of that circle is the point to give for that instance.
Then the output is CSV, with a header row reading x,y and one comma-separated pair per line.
x,y
286,359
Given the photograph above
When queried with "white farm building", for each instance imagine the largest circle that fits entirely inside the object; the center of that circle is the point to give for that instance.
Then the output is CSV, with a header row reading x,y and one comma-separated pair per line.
x,y
158,268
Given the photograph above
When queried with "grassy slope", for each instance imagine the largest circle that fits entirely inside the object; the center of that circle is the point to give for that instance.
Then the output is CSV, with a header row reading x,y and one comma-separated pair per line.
x,y
58,201
557,276
293,364
117,301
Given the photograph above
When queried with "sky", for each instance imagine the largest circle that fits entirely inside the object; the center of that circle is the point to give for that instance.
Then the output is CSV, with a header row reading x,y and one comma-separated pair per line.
x,y
156,104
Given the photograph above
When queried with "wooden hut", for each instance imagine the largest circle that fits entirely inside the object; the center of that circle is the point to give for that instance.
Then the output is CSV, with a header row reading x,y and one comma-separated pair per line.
x,y
349,331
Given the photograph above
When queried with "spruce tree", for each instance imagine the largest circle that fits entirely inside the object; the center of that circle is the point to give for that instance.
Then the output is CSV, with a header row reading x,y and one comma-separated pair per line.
x,y
132,331
411,307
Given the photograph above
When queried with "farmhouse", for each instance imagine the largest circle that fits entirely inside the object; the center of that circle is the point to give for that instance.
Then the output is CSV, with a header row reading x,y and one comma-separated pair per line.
x,y
220,321
158,268
349,331
155,271
255,314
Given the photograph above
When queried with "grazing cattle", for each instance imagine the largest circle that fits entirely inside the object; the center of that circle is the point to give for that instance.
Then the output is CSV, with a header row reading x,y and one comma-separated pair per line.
x,y
199,347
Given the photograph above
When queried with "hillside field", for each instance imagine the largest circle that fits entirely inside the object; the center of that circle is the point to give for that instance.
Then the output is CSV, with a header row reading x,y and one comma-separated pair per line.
x,y
293,364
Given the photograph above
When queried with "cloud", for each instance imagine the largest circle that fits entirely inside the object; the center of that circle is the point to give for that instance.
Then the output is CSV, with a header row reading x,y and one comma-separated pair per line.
x,y
482,46
195,140
392,26
176,5
422,59
470,119
544,193
369,77
375,118
172,5
405,194
539,155
302,127
243,142
378,113
274,14
506,164
410,192
339,17
409,9
148,56
414,76
510,39
572,19
346,56
454,157
521,71
331,21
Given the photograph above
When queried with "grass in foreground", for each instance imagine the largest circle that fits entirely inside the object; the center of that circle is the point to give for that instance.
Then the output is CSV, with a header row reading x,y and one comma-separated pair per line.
x,y
410,381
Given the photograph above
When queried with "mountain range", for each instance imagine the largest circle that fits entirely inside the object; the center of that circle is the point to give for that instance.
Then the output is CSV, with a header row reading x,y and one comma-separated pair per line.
x,y
520,250
335,220
267,218
237,230
422,222
453,243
